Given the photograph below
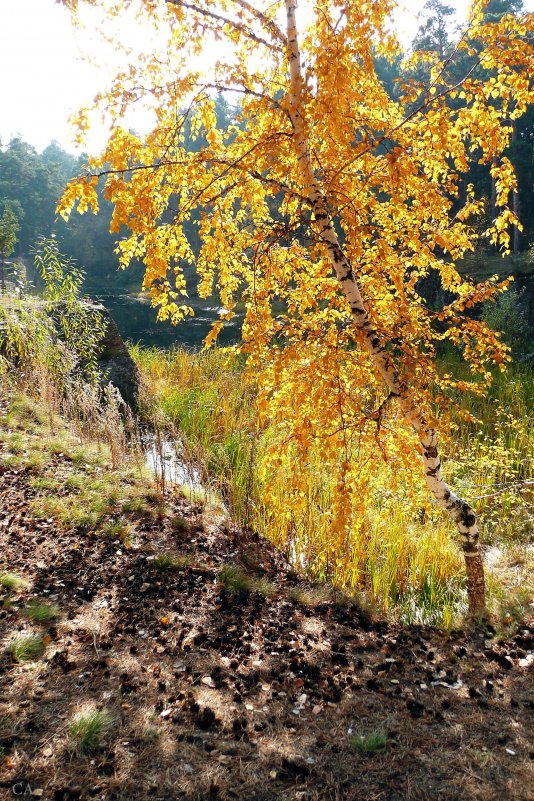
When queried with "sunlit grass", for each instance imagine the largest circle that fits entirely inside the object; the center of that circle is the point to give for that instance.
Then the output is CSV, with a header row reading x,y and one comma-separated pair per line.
x,y
204,398
90,729
234,580
309,596
369,743
27,647
73,483
264,587
402,555
84,511
11,581
150,505
172,561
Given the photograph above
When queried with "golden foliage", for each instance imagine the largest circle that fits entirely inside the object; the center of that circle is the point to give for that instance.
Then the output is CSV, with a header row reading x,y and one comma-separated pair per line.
x,y
393,172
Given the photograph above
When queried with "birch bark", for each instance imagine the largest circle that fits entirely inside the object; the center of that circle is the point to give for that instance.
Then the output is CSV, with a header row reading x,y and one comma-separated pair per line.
x,y
458,509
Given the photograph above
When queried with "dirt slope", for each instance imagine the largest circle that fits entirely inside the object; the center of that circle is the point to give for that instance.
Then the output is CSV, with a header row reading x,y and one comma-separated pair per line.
x,y
255,698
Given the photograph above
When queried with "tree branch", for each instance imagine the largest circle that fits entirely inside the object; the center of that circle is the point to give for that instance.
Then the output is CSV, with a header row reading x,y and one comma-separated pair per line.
x,y
242,29
265,21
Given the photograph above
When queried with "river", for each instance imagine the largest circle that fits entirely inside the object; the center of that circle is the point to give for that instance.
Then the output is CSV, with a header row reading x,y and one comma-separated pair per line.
x,y
137,322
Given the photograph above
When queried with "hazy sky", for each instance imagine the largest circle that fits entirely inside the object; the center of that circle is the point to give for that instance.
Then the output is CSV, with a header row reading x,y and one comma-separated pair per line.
x,y
42,79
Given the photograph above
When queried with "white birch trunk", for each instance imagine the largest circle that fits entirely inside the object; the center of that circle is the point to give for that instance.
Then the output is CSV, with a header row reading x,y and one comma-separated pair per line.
x,y
458,510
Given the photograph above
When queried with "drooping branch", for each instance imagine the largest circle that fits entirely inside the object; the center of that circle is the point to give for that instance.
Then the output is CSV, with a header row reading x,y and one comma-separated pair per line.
x,y
243,90
420,109
458,509
267,23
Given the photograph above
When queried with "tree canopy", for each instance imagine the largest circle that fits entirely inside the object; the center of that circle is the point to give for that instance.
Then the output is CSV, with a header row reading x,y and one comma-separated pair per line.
x,y
323,208
9,228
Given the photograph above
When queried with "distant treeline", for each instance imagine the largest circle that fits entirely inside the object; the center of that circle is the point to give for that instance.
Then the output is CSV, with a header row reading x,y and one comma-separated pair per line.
x,y
31,183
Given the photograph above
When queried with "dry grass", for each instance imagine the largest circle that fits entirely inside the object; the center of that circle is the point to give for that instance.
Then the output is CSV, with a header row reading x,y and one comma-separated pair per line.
x,y
401,555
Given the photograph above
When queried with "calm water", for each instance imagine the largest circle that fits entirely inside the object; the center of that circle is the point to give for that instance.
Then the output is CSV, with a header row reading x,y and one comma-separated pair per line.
x,y
136,321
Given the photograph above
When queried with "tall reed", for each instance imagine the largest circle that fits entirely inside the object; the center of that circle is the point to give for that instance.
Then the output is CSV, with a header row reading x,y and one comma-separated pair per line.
x,y
400,552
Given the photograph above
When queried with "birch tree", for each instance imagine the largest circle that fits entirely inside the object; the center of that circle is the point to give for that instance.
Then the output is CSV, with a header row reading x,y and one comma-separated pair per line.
x,y
322,209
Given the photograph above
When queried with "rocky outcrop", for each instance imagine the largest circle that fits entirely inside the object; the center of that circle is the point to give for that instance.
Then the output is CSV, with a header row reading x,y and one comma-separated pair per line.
x,y
115,362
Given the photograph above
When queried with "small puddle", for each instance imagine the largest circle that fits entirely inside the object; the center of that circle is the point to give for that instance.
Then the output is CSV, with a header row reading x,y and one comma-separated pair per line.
x,y
165,461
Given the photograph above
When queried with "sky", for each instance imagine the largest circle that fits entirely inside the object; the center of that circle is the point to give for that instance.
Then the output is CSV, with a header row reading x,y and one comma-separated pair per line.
x,y
43,79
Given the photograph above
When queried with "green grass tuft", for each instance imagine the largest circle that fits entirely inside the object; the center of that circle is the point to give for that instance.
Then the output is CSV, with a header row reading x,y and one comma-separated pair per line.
x,y
264,587
11,581
41,613
180,524
369,743
234,580
172,561
89,730
26,647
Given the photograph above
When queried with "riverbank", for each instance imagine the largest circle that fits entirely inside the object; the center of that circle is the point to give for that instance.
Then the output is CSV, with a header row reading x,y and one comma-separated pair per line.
x,y
395,552
153,650
402,558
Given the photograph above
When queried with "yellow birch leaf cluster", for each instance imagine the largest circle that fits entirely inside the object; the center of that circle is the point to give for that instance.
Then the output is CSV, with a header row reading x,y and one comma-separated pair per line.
x,y
394,175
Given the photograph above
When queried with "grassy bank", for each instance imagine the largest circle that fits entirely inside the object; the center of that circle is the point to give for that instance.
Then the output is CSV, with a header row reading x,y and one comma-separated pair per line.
x,y
397,552
73,479
401,557
151,650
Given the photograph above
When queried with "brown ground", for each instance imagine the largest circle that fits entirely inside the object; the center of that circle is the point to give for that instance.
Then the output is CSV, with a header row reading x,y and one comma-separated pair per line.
x,y
249,698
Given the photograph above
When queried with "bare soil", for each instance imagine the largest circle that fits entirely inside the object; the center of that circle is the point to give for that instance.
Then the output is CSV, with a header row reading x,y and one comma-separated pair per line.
x,y
216,697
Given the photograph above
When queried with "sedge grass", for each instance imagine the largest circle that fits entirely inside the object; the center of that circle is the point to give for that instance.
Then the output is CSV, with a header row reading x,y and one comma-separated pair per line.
x,y
234,580
27,647
369,743
11,581
41,612
169,562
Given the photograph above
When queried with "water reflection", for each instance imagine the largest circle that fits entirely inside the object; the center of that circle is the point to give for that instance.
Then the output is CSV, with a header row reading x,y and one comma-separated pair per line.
x,y
164,459
136,321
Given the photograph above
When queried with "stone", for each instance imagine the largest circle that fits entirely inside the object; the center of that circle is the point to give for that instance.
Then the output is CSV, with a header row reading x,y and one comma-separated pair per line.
x,y
115,362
